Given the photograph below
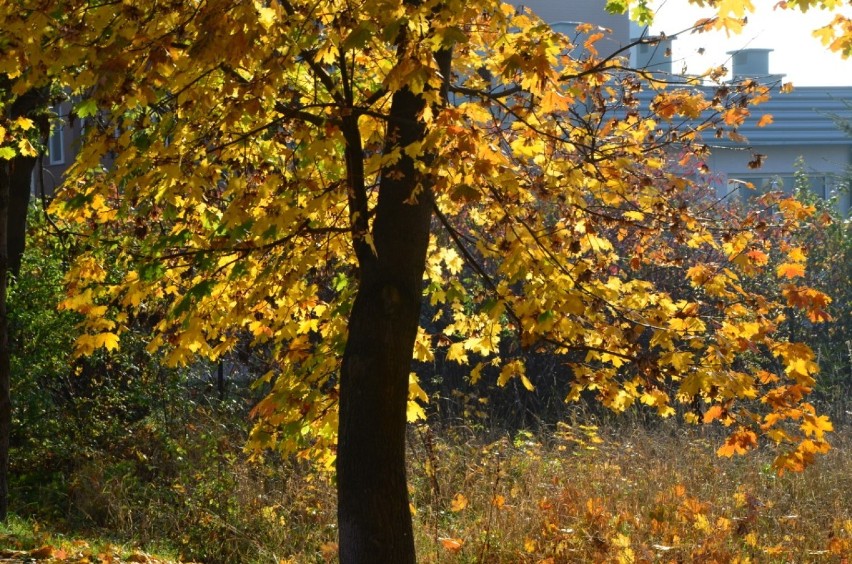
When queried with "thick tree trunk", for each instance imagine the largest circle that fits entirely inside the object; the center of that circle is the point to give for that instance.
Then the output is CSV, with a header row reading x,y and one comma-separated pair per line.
x,y
373,508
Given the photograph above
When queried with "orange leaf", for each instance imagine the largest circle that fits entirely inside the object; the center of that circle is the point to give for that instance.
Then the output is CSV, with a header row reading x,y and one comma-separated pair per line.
x,y
758,257
329,550
764,120
451,545
739,442
735,116
766,377
715,412
790,270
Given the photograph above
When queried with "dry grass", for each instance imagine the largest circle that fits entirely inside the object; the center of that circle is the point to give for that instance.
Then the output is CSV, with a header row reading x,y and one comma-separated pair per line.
x,y
633,495
643,496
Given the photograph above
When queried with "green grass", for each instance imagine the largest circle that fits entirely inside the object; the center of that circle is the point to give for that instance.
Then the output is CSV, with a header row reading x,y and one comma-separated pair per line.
x,y
27,540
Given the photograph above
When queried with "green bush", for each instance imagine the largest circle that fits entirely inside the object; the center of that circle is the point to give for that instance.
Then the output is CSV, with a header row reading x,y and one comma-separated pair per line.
x,y
119,445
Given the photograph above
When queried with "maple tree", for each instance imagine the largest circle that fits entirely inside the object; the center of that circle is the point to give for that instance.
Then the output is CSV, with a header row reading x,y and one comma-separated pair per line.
x,y
295,173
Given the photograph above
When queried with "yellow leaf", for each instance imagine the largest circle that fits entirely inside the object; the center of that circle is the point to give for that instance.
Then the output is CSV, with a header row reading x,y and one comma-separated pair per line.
x,y
510,370
735,116
414,389
757,257
458,503
414,412
457,353
476,373
552,101
266,17
24,123
751,539
107,340
681,360
26,148
797,254
816,426
764,120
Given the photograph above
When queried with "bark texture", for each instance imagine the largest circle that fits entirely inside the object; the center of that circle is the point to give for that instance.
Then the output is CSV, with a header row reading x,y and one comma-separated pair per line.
x,y
5,368
15,181
20,178
373,507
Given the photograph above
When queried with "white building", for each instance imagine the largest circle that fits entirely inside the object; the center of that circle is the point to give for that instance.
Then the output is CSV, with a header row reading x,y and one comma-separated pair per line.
x,y
803,121
803,127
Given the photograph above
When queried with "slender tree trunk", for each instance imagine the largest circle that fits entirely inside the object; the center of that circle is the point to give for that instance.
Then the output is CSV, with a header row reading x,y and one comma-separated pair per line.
x,y
15,180
5,368
373,508
20,181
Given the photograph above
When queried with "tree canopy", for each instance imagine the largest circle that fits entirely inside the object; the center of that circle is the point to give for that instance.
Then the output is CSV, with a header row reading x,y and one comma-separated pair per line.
x,y
292,173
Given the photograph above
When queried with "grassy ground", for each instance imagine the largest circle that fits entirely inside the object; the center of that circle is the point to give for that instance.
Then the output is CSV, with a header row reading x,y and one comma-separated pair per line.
x,y
26,541
572,496
645,496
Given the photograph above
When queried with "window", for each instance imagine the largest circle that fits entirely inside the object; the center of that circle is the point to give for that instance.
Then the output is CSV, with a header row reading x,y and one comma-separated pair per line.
x,y
56,143
818,186
784,183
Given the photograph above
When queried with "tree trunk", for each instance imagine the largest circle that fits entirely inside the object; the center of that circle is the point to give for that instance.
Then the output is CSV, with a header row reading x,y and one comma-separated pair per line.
x,y
373,509
6,174
15,183
20,184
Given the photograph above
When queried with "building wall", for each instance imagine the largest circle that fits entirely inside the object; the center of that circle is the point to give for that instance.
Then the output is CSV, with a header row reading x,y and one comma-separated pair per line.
x,y
804,128
590,11
825,165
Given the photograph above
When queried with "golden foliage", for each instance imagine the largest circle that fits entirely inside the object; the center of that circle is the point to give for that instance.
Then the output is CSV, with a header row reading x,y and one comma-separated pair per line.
x,y
564,219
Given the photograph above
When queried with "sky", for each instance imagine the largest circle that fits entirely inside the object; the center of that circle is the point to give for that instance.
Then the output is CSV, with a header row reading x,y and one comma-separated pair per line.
x,y
797,54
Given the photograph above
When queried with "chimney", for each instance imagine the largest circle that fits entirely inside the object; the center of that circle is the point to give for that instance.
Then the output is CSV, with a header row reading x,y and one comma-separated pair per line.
x,y
653,53
569,30
753,63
